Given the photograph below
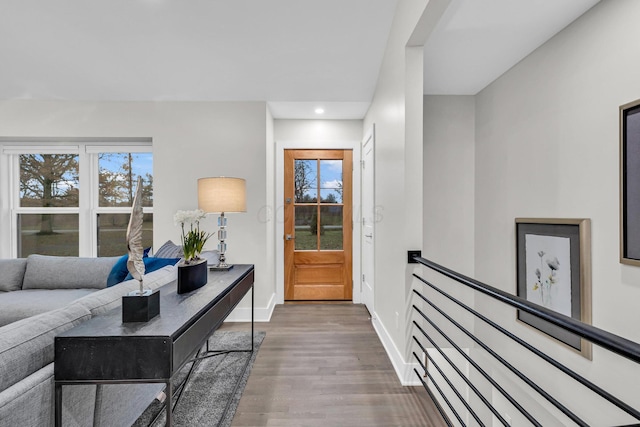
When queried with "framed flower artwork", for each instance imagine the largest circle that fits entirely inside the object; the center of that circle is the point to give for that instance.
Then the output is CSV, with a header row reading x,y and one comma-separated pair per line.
x,y
554,271
630,183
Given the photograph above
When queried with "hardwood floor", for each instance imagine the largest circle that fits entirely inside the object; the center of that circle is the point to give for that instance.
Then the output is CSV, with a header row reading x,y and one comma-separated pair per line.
x,y
323,365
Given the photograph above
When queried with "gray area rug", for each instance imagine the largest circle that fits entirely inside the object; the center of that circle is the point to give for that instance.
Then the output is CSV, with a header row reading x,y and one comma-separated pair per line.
x,y
211,385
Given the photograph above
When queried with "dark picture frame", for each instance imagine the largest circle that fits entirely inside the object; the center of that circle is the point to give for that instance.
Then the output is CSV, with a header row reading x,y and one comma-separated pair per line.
x,y
630,183
553,267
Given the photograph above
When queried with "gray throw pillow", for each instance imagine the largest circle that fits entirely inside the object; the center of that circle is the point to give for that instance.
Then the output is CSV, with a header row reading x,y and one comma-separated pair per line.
x,y
12,273
58,272
169,250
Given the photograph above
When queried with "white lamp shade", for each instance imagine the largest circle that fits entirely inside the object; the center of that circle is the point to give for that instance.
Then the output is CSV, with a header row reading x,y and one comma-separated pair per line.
x,y
222,194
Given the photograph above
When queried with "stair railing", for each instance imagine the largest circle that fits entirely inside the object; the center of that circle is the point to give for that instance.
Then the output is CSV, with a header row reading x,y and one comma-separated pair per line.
x,y
606,340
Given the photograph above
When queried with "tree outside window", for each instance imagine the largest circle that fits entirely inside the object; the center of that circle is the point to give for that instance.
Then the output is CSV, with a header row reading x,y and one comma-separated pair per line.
x,y
48,209
117,175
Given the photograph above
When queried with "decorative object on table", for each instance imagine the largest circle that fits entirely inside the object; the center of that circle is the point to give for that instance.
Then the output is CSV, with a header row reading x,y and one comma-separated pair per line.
x,y
192,272
141,305
554,271
192,276
630,183
222,195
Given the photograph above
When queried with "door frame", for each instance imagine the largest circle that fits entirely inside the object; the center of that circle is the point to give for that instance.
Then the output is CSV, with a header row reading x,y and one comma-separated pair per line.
x,y
370,134
355,146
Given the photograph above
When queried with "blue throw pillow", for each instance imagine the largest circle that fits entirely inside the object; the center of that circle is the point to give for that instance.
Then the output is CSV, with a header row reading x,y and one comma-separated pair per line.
x,y
119,271
153,264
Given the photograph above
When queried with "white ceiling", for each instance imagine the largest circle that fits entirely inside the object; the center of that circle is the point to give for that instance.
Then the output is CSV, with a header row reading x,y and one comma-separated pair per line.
x,y
476,41
295,54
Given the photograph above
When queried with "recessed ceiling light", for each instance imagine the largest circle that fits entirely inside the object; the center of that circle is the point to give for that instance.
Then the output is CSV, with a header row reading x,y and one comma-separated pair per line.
x,y
319,110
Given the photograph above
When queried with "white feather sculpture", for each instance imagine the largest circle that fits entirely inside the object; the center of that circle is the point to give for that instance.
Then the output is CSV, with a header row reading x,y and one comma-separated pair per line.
x,y
135,265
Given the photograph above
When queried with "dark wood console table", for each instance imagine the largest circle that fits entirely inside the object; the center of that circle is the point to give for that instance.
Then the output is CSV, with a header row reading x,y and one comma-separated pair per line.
x,y
103,350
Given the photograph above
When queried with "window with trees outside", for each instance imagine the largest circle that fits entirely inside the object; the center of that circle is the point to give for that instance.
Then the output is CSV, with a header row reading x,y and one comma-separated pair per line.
x,y
76,201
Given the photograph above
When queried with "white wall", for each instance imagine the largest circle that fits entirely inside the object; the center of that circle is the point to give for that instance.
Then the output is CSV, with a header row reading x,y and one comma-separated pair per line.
x,y
190,140
317,131
396,111
449,199
449,169
547,146
448,223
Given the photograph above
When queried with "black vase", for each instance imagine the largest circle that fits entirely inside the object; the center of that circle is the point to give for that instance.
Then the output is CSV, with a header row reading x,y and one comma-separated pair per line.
x,y
192,276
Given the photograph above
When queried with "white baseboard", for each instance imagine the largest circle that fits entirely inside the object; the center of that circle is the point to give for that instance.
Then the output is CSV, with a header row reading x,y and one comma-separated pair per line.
x,y
260,314
404,370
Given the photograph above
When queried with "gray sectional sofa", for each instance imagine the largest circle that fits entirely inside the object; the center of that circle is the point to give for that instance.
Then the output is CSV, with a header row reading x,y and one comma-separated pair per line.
x,y
42,297
49,282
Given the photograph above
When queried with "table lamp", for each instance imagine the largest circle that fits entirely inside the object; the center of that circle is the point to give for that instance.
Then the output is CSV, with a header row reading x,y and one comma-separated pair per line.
x,y
219,195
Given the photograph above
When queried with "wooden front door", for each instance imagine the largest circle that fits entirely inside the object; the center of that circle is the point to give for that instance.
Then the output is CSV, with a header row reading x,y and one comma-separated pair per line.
x,y
318,225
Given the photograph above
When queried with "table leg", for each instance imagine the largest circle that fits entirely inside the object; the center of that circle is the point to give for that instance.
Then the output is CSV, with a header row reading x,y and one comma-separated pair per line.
x,y
169,404
252,318
58,404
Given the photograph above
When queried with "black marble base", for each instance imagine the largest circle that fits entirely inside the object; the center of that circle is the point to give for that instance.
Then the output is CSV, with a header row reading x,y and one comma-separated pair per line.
x,y
137,308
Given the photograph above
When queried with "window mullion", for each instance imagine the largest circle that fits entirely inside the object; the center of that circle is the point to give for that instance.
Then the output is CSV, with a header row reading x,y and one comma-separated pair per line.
x,y
86,239
14,199
94,197
12,174
47,210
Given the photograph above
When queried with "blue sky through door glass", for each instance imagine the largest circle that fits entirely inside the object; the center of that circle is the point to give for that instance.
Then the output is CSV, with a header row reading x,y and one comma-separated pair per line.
x,y
331,181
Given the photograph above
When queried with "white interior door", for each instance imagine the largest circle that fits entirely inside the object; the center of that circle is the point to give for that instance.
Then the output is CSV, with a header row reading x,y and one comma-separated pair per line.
x,y
368,220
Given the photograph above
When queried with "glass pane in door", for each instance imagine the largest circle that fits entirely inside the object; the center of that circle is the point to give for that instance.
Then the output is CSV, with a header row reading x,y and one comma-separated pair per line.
x,y
305,182
306,228
331,228
331,181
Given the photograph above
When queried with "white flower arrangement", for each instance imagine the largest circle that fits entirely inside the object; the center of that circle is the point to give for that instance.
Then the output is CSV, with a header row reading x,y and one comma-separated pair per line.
x,y
188,217
193,241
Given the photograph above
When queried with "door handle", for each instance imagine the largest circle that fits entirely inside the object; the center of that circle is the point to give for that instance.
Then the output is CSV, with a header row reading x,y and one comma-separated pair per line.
x,y
289,237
